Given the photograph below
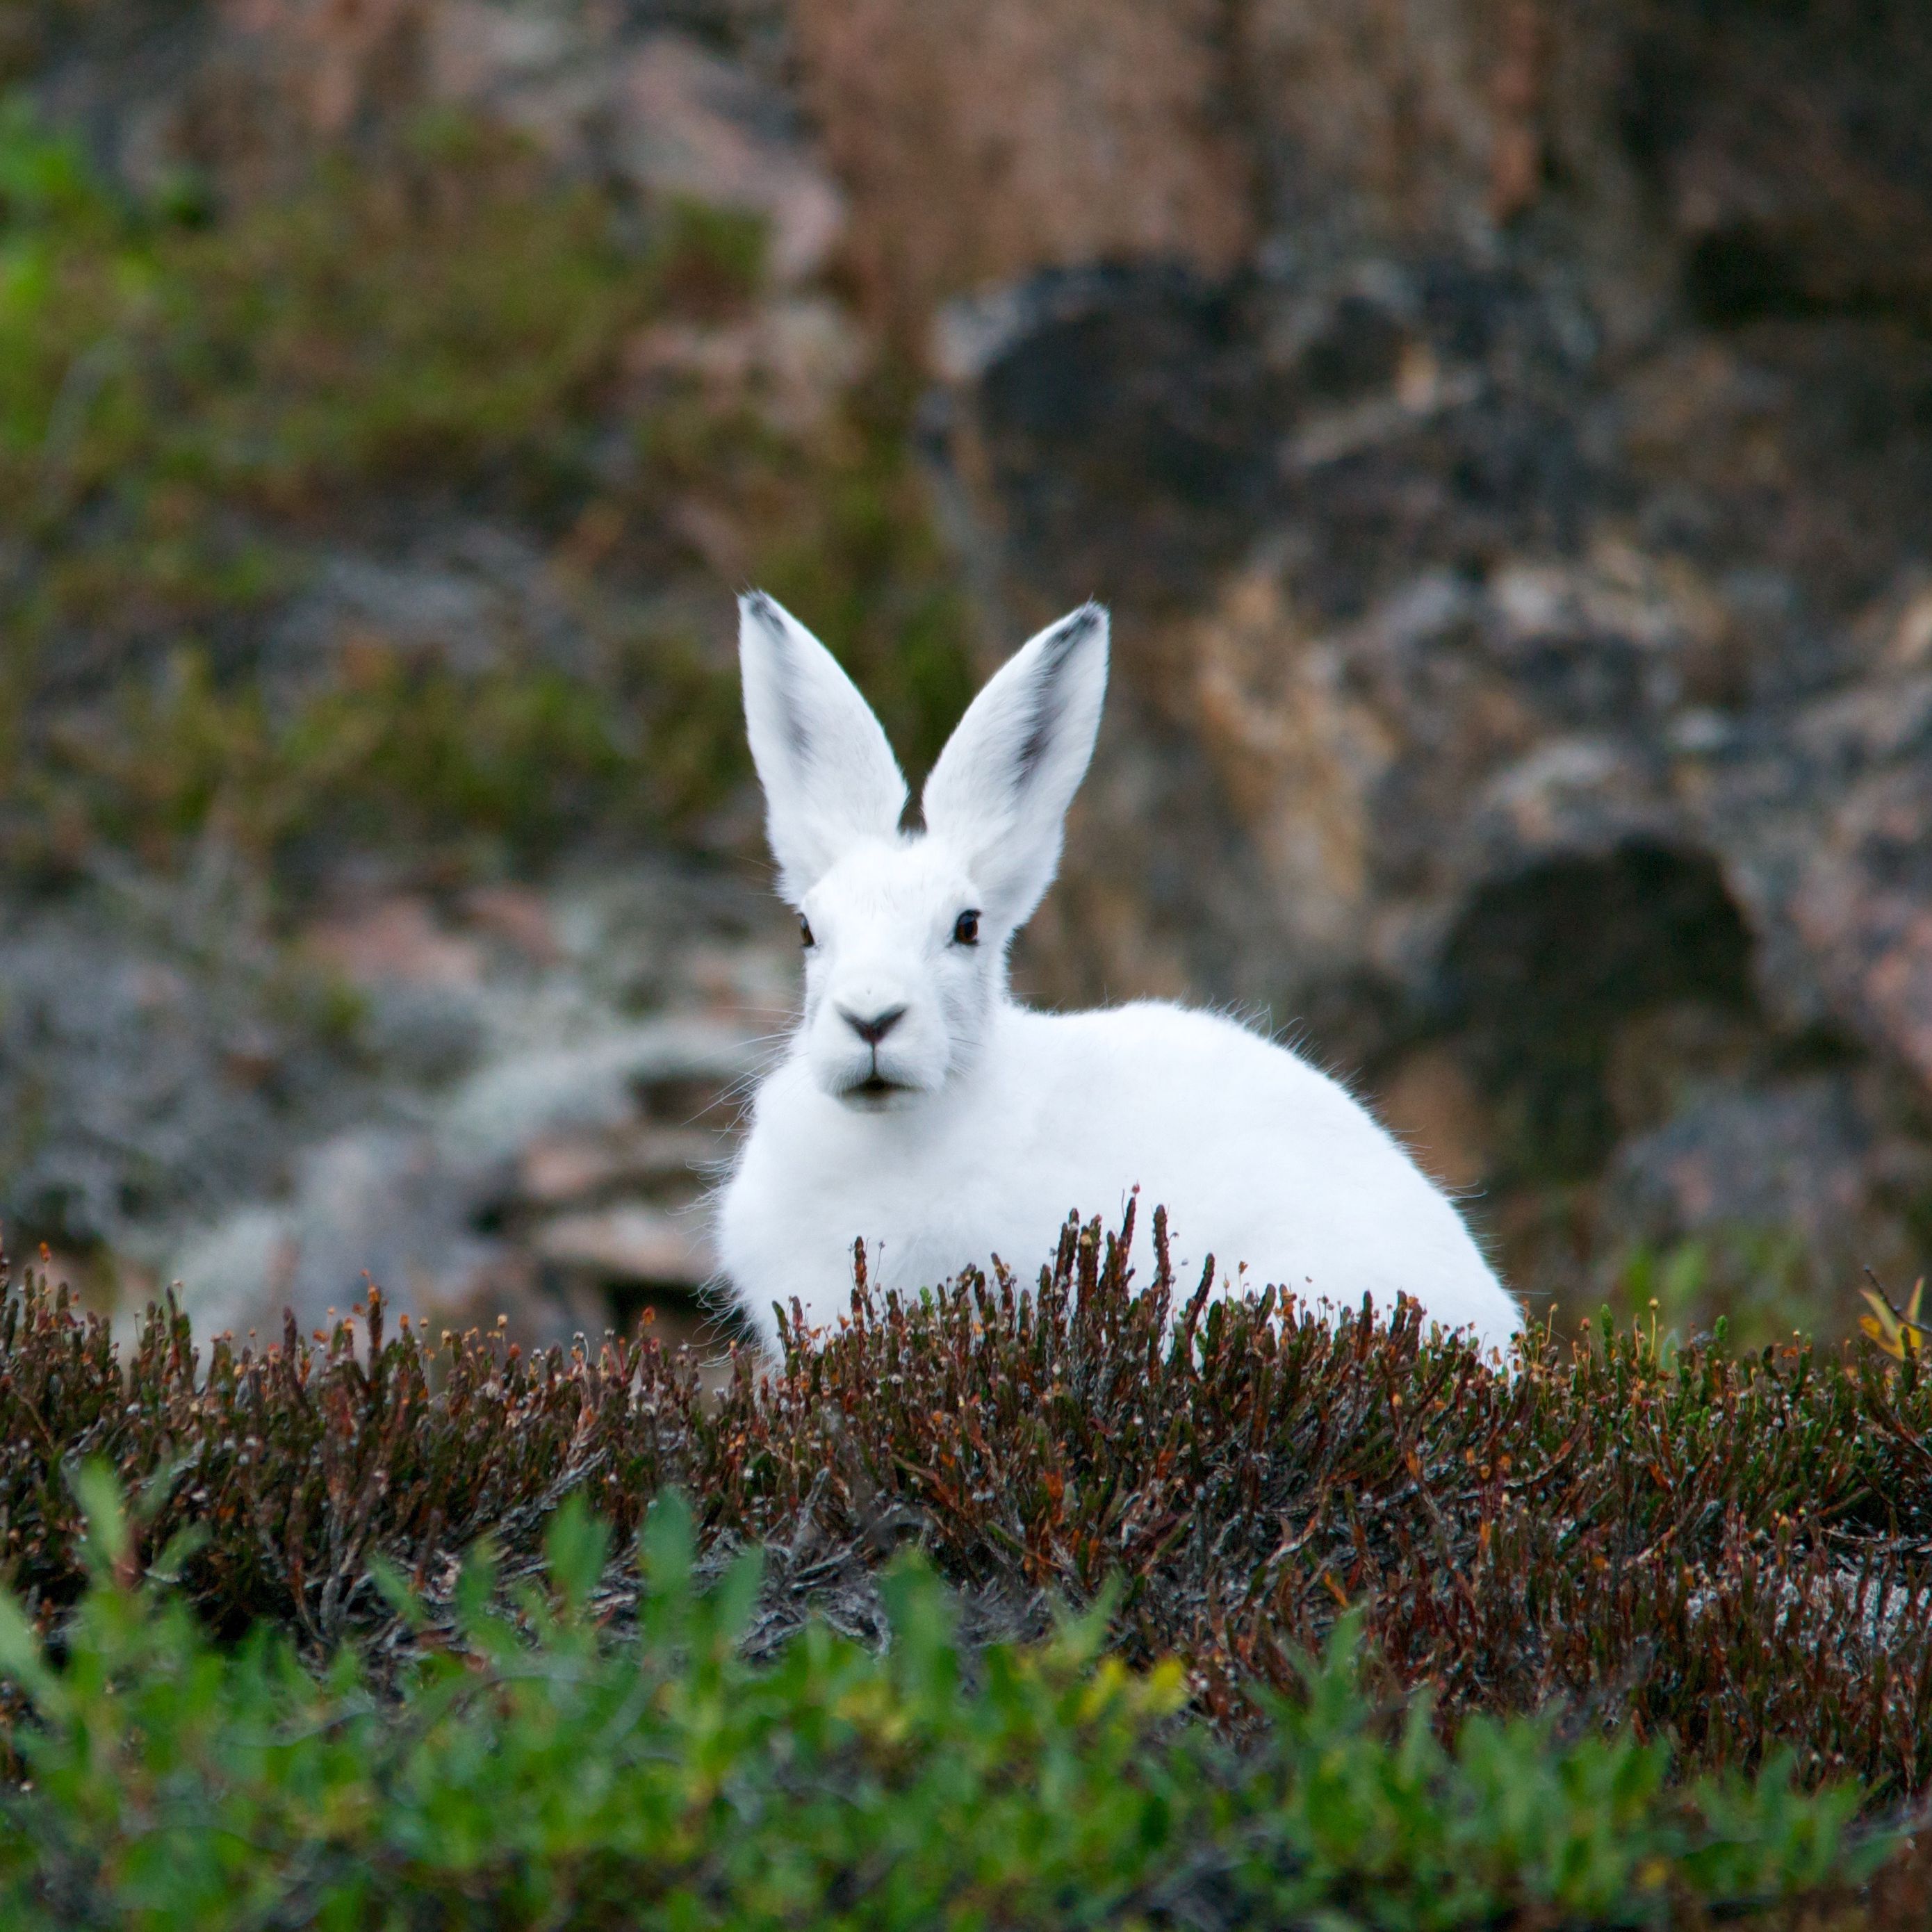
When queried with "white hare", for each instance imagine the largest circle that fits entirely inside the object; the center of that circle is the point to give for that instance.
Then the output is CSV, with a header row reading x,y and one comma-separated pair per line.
x,y
920,1108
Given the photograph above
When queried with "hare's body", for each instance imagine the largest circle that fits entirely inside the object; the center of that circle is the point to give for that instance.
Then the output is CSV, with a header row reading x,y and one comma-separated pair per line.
x,y
919,1109
1259,1159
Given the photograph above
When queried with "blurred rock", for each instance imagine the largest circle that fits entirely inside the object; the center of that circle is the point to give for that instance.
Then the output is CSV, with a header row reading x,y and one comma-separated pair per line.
x,y
468,596
600,1081
1121,420
481,1131
1497,743
1863,908
1792,1161
632,1244
1376,118
537,1191
396,941
796,357
688,123
1429,1102
247,91
518,917
1503,431
567,1167
155,1048
982,139
1791,145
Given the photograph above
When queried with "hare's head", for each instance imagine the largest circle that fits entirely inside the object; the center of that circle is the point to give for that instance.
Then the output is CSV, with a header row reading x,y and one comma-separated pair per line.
x,y
906,932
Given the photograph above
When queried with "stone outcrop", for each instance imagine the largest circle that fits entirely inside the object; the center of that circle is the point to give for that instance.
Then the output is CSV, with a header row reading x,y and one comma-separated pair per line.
x,y
1524,625
981,141
1504,432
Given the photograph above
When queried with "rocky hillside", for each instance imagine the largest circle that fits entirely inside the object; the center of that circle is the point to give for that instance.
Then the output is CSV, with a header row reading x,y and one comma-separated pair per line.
x,y
1504,431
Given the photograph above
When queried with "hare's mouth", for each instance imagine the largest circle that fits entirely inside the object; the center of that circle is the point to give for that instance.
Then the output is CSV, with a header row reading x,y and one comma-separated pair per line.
x,y
873,1093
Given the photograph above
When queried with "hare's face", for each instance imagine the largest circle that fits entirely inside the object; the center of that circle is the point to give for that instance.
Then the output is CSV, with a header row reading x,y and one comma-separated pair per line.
x,y
906,935
902,971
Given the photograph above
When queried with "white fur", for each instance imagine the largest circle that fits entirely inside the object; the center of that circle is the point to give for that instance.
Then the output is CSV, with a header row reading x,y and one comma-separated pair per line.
x,y
971,1127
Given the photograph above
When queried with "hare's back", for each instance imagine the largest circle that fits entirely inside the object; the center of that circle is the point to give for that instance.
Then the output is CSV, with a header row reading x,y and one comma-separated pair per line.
x,y
1259,1158
1161,1079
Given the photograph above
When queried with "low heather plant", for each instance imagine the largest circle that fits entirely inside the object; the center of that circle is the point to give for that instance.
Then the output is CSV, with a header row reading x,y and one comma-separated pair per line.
x,y
532,1769
1731,1558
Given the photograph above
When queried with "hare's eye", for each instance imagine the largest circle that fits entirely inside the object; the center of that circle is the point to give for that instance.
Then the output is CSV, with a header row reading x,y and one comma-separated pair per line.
x,y
966,929
804,931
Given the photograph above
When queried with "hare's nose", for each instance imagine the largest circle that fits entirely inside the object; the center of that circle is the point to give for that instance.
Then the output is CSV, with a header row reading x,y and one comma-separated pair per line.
x,y
873,1030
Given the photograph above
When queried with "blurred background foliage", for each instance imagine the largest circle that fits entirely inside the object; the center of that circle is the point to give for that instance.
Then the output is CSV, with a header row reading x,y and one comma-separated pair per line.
x,y
451,325
1502,431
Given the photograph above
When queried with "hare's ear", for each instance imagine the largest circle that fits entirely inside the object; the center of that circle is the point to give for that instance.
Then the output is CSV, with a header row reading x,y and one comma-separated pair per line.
x,y
1001,788
830,776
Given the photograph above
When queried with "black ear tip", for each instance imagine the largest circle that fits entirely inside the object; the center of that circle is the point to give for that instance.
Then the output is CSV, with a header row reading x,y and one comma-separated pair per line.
x,y
756,606
1072,630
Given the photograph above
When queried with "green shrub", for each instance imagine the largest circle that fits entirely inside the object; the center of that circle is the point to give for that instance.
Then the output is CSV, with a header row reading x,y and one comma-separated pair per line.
x,y
541,1769
197,405
394,751
1729,1556
188,409
451,316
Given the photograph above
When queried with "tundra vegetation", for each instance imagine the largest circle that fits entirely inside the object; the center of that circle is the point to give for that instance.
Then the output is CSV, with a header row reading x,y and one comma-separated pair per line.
x,y
1066,1602
444,336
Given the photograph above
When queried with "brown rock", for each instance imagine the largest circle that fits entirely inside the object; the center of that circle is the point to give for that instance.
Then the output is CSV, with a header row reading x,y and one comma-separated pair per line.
x,y
1298,754
629,1242
1428,1101
559,1168
395,940
1565,709
982,139
1381,114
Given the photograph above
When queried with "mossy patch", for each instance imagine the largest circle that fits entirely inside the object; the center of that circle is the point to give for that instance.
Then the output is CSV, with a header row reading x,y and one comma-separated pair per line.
x,y
195,413
455,316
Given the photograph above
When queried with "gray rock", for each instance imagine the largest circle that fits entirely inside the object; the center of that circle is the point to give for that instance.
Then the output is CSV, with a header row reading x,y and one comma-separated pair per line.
x,y
633,1243
1448,725
509,1105
564,1170
159,1059
1791,1159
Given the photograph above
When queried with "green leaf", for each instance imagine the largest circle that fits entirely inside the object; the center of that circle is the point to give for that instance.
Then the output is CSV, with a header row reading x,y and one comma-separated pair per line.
x,y
396,1591
667,1549
575,1548
97,1490
23,1656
